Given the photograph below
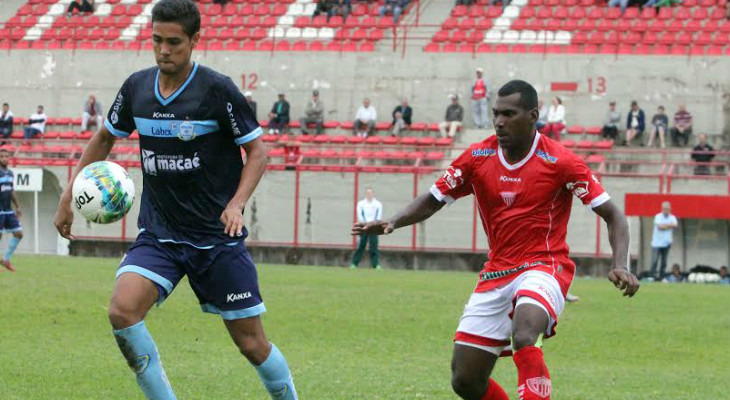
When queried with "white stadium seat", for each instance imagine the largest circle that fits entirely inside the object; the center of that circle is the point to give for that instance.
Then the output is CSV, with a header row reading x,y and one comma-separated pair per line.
x,y
518,3
33,33
277,32
545,37
511,12
309,33
563,37
286,20
46,21
326,33
293,33
59,9
295,10
493,36
102,9
511,36
129,33
141,20
502,23
309,9
528,37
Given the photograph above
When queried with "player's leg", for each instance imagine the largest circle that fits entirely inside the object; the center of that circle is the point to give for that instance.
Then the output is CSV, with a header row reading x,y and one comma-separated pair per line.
x,y
470,371
11,223
663,254
357,256
654,261
374,252
538,302
227,285
270,364
146,276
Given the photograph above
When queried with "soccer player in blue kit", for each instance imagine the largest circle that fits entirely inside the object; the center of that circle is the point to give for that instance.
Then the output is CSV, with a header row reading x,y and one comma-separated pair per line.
x,y
191,121
8,218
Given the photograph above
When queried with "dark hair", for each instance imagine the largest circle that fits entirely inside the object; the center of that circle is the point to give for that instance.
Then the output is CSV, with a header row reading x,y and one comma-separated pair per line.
x,y
661,107
184,12
634,103
6,104
528,95
40,106
560,101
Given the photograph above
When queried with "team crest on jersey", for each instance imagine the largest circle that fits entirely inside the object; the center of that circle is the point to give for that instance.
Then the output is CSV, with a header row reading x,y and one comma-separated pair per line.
x,y
186,132
547,157
540,386
508,198
453,177
579,189
483,152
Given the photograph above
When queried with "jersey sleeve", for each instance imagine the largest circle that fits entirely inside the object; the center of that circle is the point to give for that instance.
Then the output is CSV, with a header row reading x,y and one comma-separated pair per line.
x,y
120,120
455,183
238,117
580,180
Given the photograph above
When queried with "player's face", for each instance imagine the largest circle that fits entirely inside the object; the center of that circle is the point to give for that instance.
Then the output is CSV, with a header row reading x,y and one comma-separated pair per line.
x,y
514,124
3,159
172,46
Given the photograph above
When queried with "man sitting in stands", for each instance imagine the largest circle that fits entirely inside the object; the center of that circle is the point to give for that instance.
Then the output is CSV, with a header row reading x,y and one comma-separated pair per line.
x,y
365,119
85,6
37,124
454,118
402,117
682,126
92,114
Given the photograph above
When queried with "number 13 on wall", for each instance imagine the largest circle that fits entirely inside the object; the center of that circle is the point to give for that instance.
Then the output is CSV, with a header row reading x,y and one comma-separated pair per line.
x,y
249,81
597,85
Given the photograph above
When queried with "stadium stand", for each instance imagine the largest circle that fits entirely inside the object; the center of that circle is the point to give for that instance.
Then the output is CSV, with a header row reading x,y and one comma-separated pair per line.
x,y
270,25
697,27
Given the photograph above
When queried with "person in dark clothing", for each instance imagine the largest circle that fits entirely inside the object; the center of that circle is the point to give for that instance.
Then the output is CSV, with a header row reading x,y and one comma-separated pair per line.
x,y
402,115
635,123
249,99
83,7
6,121
702,153
279,116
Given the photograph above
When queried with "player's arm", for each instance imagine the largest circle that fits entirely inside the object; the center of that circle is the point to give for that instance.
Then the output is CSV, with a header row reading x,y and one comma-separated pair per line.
x,y
97,149
618,236
423,207
16,203
232,216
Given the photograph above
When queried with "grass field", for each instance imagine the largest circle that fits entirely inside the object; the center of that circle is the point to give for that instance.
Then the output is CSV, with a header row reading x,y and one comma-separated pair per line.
x,y
353,335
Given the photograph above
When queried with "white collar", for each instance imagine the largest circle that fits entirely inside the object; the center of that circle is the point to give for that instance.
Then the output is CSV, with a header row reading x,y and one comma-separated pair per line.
x,y
522,162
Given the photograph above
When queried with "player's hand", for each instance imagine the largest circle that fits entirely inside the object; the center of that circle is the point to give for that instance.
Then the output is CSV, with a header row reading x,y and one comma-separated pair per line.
x,y
232,219
19,213
372,228
624,281
64,218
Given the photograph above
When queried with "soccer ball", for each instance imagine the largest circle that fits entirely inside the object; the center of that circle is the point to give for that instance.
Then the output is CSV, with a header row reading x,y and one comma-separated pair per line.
x,y
103,192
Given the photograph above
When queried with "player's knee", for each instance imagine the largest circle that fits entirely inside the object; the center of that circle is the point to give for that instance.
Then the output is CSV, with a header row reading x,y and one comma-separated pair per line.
x,y
465,386
524,338
254,347
18,235
122,317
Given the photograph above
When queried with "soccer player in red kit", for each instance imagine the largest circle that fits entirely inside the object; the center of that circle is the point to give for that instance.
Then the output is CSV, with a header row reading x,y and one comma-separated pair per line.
x,y
523,183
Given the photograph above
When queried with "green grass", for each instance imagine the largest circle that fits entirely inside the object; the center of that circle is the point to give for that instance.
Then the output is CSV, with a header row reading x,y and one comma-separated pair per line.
x,y
353,335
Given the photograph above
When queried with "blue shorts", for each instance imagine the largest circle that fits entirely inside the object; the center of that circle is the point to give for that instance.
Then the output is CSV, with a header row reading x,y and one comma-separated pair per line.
x,y
223,278
9,223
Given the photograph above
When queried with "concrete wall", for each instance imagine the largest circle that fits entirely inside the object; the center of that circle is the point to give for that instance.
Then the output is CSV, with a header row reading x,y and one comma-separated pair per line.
x,y
61,80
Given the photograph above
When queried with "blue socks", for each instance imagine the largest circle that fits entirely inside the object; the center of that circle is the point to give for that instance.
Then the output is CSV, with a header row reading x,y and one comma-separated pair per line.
x,y
11,248
141,353
276,377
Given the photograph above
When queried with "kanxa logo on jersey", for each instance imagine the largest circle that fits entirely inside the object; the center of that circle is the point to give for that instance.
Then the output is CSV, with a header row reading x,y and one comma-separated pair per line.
x,y
162,115
155,163
453,177
505,178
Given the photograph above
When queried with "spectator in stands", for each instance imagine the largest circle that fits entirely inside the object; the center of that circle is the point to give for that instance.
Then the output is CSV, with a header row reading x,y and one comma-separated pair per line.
x,y
682,126
480,100
249,99
6,121
635,123
702,153
279,116
365,119
402,115
332,7
542,117
724,277
676,276
464,2
659,123
454,118
313,114
611,122
92,113
37,124
369,209
661,241
84,6
555,120
394,7
505,3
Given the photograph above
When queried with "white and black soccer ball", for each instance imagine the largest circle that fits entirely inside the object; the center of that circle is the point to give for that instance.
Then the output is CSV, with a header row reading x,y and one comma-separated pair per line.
x,y
103,192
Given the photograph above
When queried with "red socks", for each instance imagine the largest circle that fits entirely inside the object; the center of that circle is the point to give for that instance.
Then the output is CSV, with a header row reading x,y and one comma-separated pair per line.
x,y
495,392
533,378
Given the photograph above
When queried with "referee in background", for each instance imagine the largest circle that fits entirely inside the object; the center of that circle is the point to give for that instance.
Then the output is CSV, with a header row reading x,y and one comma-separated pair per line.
x,y
368,209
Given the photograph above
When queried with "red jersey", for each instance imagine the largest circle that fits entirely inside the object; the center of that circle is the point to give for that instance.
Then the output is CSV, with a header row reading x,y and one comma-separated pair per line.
x,y
524,207
479,91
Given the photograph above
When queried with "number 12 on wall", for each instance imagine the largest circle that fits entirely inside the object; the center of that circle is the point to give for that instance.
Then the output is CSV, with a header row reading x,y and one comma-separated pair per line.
x,y
597,85
248,82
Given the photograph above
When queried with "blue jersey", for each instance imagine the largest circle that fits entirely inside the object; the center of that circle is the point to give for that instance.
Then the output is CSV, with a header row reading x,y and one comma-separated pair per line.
x,y
6,191
189,145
